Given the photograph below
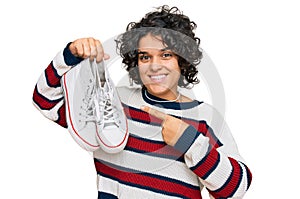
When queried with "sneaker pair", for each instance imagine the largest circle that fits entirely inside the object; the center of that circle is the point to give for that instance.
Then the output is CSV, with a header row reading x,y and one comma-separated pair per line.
x,y
95,115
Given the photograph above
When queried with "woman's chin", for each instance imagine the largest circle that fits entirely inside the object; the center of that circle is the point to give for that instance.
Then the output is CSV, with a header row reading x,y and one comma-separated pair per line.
x,y
158,90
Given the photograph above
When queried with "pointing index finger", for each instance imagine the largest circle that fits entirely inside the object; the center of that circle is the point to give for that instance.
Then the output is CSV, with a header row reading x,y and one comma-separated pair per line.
x,y
154,112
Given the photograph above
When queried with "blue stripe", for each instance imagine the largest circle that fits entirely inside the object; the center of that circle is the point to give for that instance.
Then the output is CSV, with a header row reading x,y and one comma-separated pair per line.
x,y
103,195
186,139
69,58
249,178
168,104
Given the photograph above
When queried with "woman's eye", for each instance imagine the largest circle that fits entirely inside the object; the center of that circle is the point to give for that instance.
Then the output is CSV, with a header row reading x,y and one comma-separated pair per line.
x,y
144,57
167,55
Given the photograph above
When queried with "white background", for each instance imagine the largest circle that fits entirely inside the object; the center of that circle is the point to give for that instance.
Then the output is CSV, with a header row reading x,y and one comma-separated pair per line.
x,y
253,44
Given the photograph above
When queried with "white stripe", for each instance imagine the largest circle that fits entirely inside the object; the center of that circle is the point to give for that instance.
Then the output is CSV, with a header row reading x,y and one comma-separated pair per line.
x,y
123,191
107,185
202,112
197,151
219,176
51,114
243,184
59,64
145,130
42,86
48,92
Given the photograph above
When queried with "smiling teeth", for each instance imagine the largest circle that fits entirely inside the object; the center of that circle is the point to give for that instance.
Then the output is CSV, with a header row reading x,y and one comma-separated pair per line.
x,y
158,77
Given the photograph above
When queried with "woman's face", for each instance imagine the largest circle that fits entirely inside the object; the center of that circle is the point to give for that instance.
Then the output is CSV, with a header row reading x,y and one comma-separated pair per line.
x,y
158,67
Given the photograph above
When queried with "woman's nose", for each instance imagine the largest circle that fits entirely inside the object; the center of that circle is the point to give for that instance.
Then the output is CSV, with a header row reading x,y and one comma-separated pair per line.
x,y
155,64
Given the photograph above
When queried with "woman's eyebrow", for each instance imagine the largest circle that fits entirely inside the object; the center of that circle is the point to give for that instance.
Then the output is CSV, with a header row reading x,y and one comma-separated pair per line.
x,y
163,49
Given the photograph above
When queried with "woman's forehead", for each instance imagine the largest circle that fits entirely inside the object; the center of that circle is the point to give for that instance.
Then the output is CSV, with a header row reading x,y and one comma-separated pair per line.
x,y
149,42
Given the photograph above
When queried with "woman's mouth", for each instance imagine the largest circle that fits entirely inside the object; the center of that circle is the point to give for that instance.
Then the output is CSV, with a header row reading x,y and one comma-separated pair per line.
x,y
158,78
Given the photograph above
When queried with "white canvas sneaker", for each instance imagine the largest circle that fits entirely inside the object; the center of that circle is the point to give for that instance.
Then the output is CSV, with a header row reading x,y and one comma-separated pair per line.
x,y
79,85
112,129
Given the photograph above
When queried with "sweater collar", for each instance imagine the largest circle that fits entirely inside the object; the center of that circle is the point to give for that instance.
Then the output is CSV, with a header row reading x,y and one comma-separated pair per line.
x,y
159,102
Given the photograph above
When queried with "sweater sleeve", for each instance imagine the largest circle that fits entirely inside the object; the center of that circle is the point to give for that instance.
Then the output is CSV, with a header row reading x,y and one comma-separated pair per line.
x,y
212,154
48,93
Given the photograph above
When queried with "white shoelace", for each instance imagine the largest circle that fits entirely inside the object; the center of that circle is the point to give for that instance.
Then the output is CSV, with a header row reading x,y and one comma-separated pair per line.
x,y
109,113
102,102
88,106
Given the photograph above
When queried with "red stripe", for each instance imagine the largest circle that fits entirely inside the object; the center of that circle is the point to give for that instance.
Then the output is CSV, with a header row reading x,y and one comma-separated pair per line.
x,y
62,116
52,78
140,115
203,128
147,181
146,118
200,126
211,159
149,146
234,182
43,102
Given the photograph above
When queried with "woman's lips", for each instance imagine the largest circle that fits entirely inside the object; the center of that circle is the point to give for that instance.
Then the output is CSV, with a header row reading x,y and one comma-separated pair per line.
x,y
158,78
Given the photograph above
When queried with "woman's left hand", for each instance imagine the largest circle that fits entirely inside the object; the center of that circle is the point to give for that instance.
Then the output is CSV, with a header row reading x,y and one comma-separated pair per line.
x,y
172,127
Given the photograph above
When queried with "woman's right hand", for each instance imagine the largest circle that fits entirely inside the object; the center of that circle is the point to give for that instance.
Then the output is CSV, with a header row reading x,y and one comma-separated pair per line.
x,y
88,48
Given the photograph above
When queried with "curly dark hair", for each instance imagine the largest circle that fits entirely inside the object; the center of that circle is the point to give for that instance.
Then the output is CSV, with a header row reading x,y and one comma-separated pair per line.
x,y
176,31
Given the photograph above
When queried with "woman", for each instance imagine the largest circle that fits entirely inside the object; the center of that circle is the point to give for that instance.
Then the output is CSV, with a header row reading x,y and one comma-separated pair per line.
x,y
175,147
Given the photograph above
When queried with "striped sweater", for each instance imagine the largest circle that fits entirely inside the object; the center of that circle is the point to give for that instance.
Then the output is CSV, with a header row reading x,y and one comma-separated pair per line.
x,y
204,156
